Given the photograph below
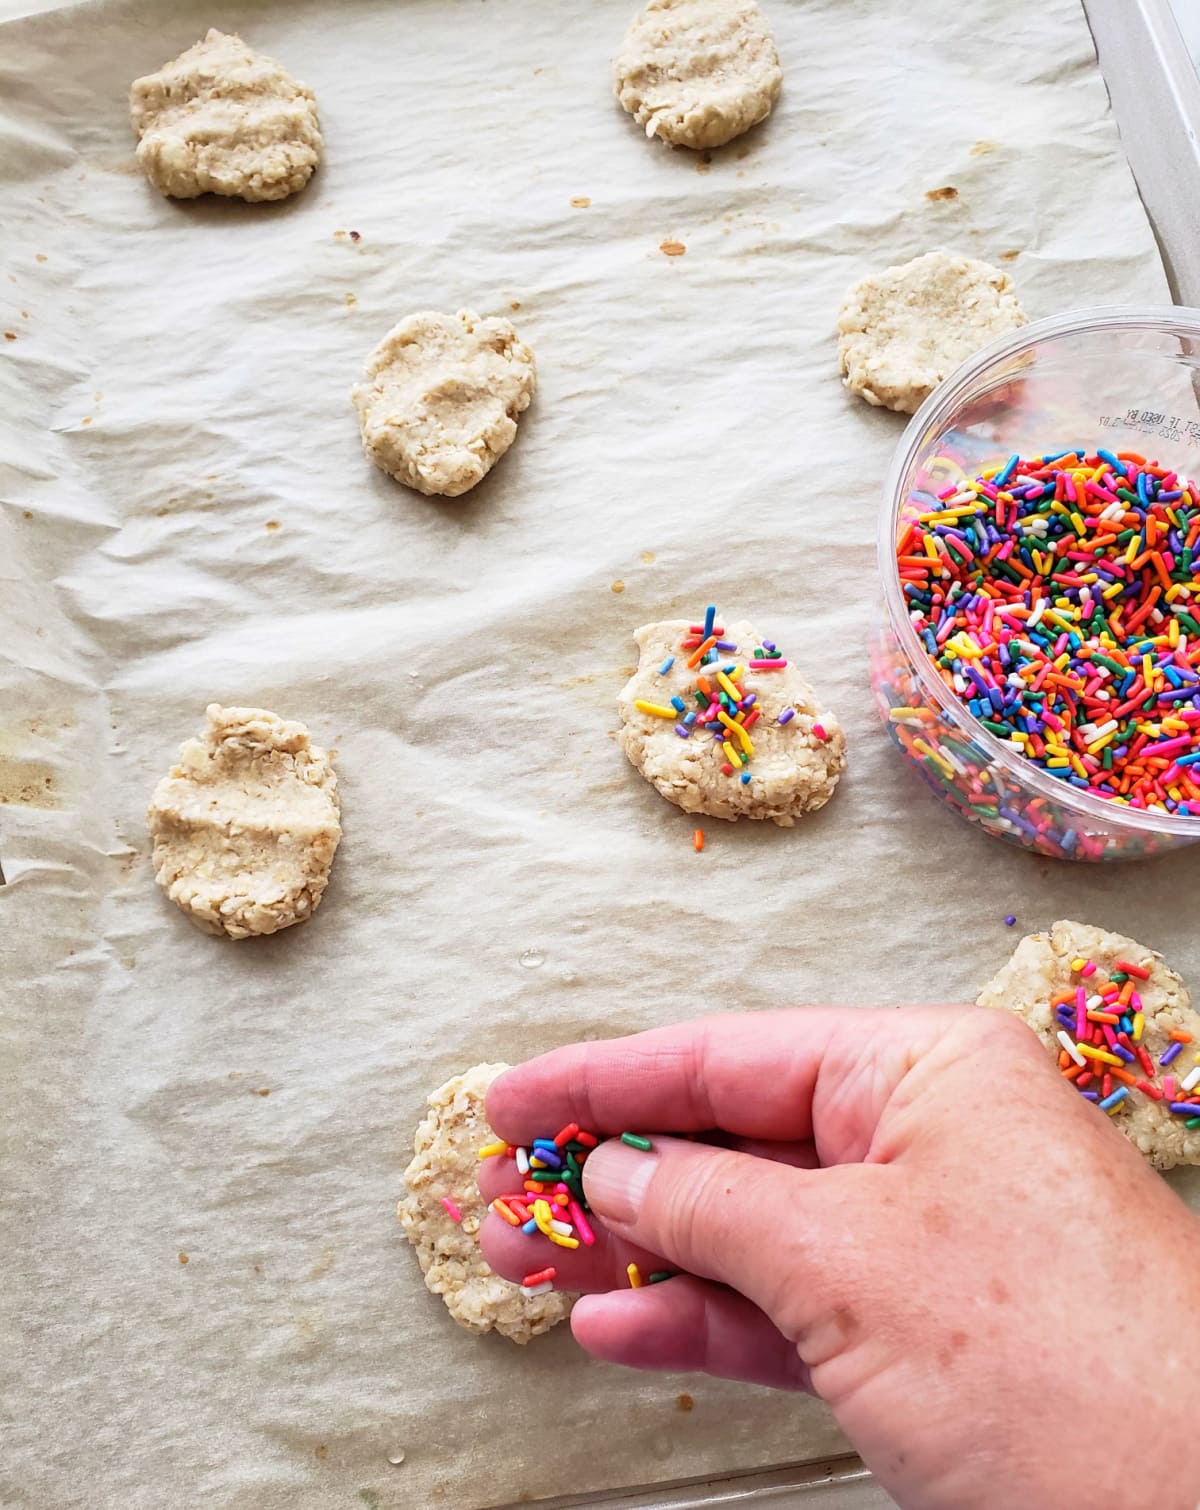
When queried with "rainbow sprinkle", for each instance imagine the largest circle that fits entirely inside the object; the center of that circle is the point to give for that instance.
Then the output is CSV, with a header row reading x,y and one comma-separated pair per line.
x,y
1100,1026
540,1283
1055,596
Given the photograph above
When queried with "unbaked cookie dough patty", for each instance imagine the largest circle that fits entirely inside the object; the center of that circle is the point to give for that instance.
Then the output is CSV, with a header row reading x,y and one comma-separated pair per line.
x,y
795,751
223,119
440,400
697,73
905,330
245,826
445,1166
1040,983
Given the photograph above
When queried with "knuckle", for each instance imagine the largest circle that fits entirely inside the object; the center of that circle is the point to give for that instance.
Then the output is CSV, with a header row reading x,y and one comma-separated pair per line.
x,y
579,1079
999,1030
702,1213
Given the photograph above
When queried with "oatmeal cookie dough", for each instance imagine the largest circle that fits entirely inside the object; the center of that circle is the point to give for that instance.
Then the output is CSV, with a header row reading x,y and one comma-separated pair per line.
x,y
697,73
223,119
445,1164
1047,967
246,824
441,398
797,751
906,329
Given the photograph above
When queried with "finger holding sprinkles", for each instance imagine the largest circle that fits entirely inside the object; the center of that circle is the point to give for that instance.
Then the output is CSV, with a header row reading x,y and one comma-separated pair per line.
x,y
551,1203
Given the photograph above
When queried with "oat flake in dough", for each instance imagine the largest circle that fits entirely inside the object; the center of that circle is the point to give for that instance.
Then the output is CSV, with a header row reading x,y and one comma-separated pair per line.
x,y
697,73
441,397
446,1163
223,119
246,824
903,331
1041,969
793,770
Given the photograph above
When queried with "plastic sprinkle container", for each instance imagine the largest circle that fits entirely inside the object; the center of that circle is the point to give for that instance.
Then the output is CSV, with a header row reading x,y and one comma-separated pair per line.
x,y
1113,380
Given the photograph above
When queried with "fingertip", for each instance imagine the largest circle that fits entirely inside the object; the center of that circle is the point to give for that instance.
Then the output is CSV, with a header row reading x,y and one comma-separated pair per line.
x,y
499,1101
588,1322
515,1100
496,1246
687,1326
639,1327
591,1268
496,1175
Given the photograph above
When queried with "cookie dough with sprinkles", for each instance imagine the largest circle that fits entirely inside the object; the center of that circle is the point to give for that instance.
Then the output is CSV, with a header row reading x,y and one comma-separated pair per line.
x,y
721,722
1121,1025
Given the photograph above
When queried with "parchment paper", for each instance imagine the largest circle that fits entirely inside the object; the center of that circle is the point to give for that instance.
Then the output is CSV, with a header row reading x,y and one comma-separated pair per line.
x,y
187,516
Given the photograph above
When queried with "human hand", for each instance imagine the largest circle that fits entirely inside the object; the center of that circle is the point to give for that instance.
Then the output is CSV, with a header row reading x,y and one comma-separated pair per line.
x,y
913,1216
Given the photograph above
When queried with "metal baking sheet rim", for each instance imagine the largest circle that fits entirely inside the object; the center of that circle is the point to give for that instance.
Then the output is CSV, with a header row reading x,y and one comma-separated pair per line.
x,y
841,1483
1143,58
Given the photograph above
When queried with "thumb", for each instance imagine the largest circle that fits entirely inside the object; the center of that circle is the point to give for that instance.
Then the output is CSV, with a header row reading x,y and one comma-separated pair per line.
x,y
794,1241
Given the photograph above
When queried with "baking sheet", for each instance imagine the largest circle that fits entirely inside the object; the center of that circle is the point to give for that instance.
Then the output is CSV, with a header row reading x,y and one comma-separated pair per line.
x,y
1143,52
186,516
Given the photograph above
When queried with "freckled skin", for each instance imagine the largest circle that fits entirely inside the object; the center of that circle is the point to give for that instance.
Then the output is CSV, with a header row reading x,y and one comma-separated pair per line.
x,y
937,1220
957,1276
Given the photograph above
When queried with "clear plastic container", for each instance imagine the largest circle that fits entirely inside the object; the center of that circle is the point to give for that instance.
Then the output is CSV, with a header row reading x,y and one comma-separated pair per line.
x,y
1121,378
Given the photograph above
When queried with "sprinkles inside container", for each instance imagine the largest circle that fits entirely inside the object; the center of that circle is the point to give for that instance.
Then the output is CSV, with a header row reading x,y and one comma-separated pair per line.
x,y
1058,597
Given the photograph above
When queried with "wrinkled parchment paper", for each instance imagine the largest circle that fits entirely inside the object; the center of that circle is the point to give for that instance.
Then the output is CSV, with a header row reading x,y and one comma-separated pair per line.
x,y
186,516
